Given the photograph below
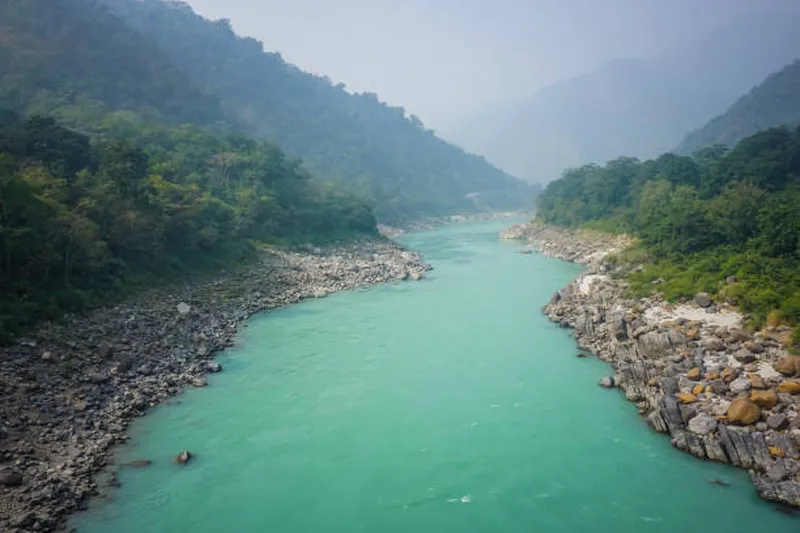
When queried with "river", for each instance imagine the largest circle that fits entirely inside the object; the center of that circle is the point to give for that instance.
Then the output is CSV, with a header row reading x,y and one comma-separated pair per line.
x,y
450,404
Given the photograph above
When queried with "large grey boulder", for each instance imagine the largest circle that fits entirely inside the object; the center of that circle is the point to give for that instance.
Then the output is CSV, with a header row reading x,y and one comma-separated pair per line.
x,y
9,477
703,299
702,424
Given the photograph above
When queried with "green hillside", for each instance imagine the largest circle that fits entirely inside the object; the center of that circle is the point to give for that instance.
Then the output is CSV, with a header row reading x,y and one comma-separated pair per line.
x,y
723,222
354,139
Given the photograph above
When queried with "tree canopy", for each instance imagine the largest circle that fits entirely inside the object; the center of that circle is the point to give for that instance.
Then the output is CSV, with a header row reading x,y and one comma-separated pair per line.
x,y
720,214
375,149
79,219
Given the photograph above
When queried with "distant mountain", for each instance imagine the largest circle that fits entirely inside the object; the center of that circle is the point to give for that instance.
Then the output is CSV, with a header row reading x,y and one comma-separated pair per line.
x,y
354,139
775,102
636,107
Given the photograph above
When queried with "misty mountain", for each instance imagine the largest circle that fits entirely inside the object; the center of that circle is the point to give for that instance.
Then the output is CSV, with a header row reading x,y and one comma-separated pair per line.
x,y
635,107
355,139
775,102
58,53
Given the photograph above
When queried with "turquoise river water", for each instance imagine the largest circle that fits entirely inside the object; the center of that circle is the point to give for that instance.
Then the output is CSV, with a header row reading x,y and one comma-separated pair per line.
x,y
447,405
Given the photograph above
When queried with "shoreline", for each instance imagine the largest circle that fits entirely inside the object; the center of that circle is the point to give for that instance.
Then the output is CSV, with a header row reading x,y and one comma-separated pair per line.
x,y
695,374
71,389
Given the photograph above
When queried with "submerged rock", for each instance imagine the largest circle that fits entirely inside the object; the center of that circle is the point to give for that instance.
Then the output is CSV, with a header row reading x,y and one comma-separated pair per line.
x,y
606,382
183,457
139,463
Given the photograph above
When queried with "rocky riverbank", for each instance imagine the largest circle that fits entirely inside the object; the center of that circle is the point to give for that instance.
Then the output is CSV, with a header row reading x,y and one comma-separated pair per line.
x,y
694,372
69,392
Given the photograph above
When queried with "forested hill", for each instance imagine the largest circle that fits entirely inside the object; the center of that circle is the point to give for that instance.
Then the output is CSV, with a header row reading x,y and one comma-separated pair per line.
x,y
775,102
704,220
75,56
352,138
129,195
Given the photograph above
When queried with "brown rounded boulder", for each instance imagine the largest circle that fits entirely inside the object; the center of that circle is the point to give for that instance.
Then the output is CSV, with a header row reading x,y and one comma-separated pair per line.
x,y
728,374
743,412
789,387
788,366
756,381
765,399
693,373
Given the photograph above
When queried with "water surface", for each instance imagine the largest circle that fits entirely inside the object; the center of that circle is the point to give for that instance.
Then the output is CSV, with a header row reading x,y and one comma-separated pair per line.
x,y
445,405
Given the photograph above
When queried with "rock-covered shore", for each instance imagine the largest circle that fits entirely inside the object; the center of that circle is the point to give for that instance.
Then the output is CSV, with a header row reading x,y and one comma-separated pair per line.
x,y
694,372
69,392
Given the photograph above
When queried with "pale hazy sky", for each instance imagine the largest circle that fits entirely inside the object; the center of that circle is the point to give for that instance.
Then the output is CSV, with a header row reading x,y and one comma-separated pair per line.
x,y
443,58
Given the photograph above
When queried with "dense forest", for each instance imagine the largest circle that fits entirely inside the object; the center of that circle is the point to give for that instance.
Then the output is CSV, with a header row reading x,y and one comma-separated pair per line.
x,y
723,221
775,102
73,58
375,149
80,219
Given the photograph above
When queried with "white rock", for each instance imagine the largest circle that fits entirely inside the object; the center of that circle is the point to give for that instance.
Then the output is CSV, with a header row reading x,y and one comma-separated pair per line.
x,y
766,371
738,385
720,407
702,424
184,308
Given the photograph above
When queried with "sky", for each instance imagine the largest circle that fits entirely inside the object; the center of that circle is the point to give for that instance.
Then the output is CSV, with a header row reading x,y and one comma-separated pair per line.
x,y
442,59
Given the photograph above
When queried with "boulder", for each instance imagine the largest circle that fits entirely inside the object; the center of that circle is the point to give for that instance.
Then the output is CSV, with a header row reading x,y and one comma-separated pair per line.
x,y
756,382
199,381
765,399
702,424
788,366
728,374
694,373
702,299
740,385
9,478
753,346
777,421
744,356
184,308
606,382
718,386
743,412
687,397
213,367
183,457
789,387
698,389
774,451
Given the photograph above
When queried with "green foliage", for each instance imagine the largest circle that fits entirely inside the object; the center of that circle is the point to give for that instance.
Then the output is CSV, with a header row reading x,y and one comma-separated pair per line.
x,y
79,220
375,149
56,54
700,221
